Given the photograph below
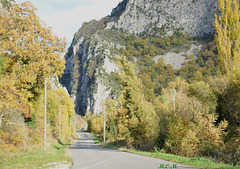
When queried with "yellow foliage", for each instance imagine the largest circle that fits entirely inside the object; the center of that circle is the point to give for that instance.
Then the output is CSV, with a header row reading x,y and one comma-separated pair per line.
x,y
95,124
189,144
227,37
13,132
31,50
191,130
8,97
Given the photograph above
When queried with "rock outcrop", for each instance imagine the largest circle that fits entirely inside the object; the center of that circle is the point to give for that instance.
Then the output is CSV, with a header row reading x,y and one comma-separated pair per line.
x,y
194,17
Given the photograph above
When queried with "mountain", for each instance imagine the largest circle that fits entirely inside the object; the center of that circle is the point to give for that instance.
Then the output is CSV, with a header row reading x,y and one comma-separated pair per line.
x,y
90,58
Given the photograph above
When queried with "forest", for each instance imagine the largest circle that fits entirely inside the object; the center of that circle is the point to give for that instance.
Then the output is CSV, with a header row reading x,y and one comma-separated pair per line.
x,y
192,111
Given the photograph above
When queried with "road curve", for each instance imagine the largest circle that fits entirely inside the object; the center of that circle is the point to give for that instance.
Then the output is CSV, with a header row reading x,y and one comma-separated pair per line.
x,y
87,155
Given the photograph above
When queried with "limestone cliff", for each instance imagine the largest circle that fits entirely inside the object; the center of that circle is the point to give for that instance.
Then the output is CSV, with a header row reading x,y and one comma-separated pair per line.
x,y
194,17
90,58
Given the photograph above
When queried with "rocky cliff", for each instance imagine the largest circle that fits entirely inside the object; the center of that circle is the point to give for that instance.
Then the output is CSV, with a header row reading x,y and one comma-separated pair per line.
x,y
90,58
194,17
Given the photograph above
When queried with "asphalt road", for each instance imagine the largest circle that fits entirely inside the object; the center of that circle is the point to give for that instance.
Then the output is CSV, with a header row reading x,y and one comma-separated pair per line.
x,y
87,155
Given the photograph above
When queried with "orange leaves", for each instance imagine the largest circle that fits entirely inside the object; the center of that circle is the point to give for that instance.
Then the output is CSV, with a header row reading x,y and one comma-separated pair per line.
x,y
32,51
8,96
29,52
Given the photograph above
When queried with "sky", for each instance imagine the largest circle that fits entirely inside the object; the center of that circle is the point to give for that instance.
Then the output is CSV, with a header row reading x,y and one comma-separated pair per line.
x,y
67,16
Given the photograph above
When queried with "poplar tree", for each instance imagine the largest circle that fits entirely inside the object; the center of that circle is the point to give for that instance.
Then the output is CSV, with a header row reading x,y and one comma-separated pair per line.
x,y
227,26
227,36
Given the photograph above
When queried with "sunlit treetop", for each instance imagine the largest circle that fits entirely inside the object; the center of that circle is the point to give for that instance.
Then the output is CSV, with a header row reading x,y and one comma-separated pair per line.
x,y
29,48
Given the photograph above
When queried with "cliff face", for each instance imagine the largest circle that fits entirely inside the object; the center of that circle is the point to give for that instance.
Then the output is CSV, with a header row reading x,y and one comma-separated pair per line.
x,y
90,59
87,64
194,17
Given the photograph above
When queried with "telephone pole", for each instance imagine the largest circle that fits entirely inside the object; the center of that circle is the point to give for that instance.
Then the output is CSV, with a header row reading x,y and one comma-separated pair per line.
x,y
70,121
59,127
104,126
174,99
45,116
74,130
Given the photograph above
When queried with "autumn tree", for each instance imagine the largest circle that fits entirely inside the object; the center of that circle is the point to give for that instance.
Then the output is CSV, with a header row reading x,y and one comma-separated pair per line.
x,y
188,128
30,50
136,117
227,37
8,98
57,100
227,26
29,53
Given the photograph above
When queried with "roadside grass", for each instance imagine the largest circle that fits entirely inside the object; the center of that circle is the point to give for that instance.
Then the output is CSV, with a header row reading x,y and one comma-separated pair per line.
x,y
56,153
109,145
201,163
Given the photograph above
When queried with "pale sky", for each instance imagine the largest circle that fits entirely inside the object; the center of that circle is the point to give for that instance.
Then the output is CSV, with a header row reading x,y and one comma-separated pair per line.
x,y
67,16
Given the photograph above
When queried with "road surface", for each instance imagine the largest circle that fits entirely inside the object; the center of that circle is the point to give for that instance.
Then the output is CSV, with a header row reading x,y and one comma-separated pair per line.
x,y
87,155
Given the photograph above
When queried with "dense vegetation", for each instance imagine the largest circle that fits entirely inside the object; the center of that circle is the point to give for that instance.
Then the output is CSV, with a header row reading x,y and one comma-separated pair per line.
x,y
29,53
193,111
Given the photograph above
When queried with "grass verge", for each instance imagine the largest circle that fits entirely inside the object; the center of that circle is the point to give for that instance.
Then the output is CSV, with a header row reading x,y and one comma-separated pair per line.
x,y
56,154
201,163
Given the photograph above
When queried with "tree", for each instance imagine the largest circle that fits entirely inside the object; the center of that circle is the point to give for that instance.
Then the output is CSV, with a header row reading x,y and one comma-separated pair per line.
x,y
6,3
8,97
30,50
203,92
111,120
136,117
227,37
56,98
29,53
190,130
227,26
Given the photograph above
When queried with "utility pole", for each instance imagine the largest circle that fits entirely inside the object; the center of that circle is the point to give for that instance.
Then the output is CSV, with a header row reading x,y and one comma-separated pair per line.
x,y
74,130
59,127
45,116
173,99
70,125
104,126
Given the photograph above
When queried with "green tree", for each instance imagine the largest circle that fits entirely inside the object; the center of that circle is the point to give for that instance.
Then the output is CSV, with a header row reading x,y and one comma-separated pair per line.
x,y
136,117
111,119
6,3
203,92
